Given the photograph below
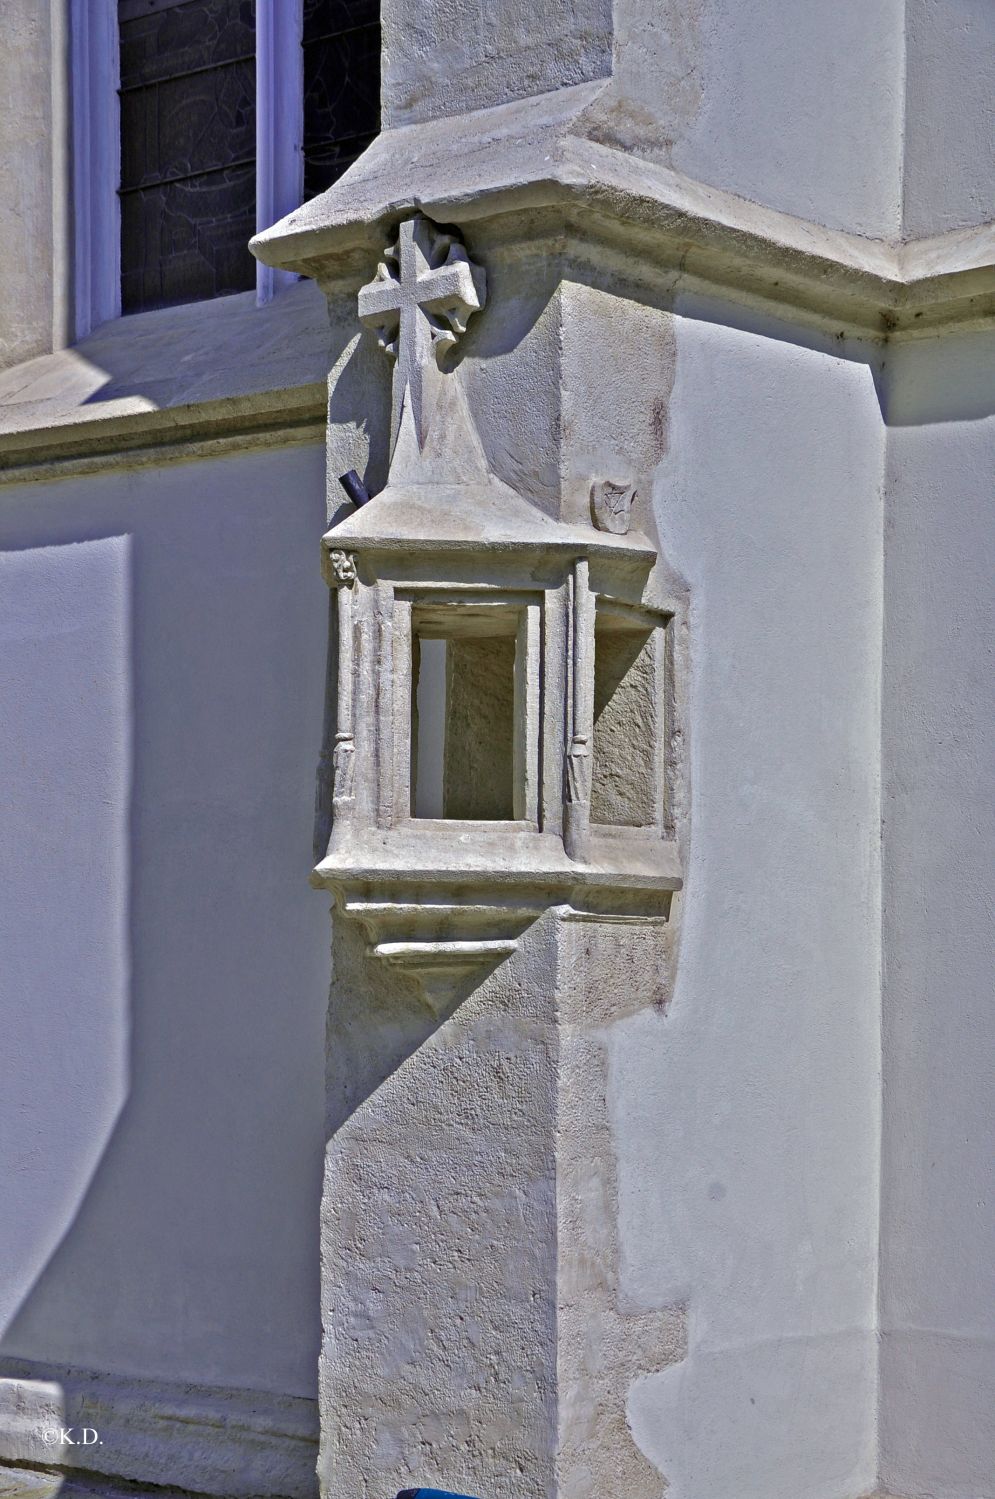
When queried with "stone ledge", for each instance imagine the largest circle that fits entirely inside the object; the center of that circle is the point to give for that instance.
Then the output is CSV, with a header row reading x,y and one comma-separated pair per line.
x,y
58,1483
530,157
182,381
241,1444
50,447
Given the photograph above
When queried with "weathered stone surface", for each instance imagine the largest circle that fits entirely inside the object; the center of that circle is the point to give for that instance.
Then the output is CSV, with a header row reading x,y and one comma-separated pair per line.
x,y
439,1233
627,762
477,1332
32,152
480,729
141,389
606,972
449,58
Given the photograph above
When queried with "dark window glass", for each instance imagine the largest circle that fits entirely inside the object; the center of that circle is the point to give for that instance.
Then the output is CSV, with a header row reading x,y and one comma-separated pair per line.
x,y
188,149
341,41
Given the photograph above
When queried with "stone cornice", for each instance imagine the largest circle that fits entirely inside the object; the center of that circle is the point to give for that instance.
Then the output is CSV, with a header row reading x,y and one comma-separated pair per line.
x,y
522,160
193,381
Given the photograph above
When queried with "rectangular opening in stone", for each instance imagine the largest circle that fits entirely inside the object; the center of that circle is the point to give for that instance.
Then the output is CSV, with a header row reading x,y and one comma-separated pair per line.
x,y
626,787
463,713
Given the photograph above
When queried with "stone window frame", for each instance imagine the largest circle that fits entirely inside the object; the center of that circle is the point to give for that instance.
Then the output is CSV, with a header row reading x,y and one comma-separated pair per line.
x,y
524,610
95,136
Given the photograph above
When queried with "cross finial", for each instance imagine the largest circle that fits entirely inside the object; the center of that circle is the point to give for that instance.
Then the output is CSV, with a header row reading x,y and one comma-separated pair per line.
x,y
424,291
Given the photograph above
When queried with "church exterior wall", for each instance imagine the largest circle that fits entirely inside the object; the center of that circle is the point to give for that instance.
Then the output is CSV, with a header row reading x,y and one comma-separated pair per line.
x,y
947,179
760,1083
756,1181
755,1077
165,964
938,1203
800,117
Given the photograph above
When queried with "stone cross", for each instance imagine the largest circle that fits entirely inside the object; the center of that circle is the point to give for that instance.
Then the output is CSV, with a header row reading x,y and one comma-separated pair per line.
x,y
424,291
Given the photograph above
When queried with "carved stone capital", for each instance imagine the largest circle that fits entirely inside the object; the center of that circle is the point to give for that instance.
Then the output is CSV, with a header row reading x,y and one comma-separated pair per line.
x,y
340,568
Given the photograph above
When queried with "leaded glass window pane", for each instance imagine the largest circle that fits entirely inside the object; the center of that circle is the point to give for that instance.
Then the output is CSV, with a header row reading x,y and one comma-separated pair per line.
x,y
188,149
341,40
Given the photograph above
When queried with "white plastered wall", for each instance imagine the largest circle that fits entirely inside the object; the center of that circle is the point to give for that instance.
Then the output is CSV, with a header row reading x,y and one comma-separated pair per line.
x,y
746,1117
949,116
797,110
164,973
938,1164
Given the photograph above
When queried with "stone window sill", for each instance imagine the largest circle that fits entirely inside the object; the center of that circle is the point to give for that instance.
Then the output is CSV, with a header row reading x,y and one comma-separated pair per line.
x,y
207,373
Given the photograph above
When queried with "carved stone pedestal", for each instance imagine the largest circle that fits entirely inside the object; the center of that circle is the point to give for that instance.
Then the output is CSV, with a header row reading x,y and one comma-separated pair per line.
x,y
474,1334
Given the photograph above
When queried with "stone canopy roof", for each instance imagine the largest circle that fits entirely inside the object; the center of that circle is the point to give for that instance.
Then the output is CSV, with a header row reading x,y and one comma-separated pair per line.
x,y
442,495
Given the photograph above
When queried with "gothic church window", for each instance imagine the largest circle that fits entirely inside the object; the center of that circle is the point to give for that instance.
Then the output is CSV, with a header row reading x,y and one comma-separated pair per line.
x,y
195,98
341,41
188,150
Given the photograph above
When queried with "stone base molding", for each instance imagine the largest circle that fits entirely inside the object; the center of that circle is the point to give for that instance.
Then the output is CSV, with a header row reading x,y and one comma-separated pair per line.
x,y
242,1444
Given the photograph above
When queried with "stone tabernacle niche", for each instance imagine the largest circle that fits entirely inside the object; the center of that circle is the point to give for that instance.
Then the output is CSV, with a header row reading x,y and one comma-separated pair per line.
x,y
627,771
465,718
490,932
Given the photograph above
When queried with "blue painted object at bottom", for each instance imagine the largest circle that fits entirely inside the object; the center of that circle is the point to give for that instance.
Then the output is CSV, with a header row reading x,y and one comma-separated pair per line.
x,y
431,1494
